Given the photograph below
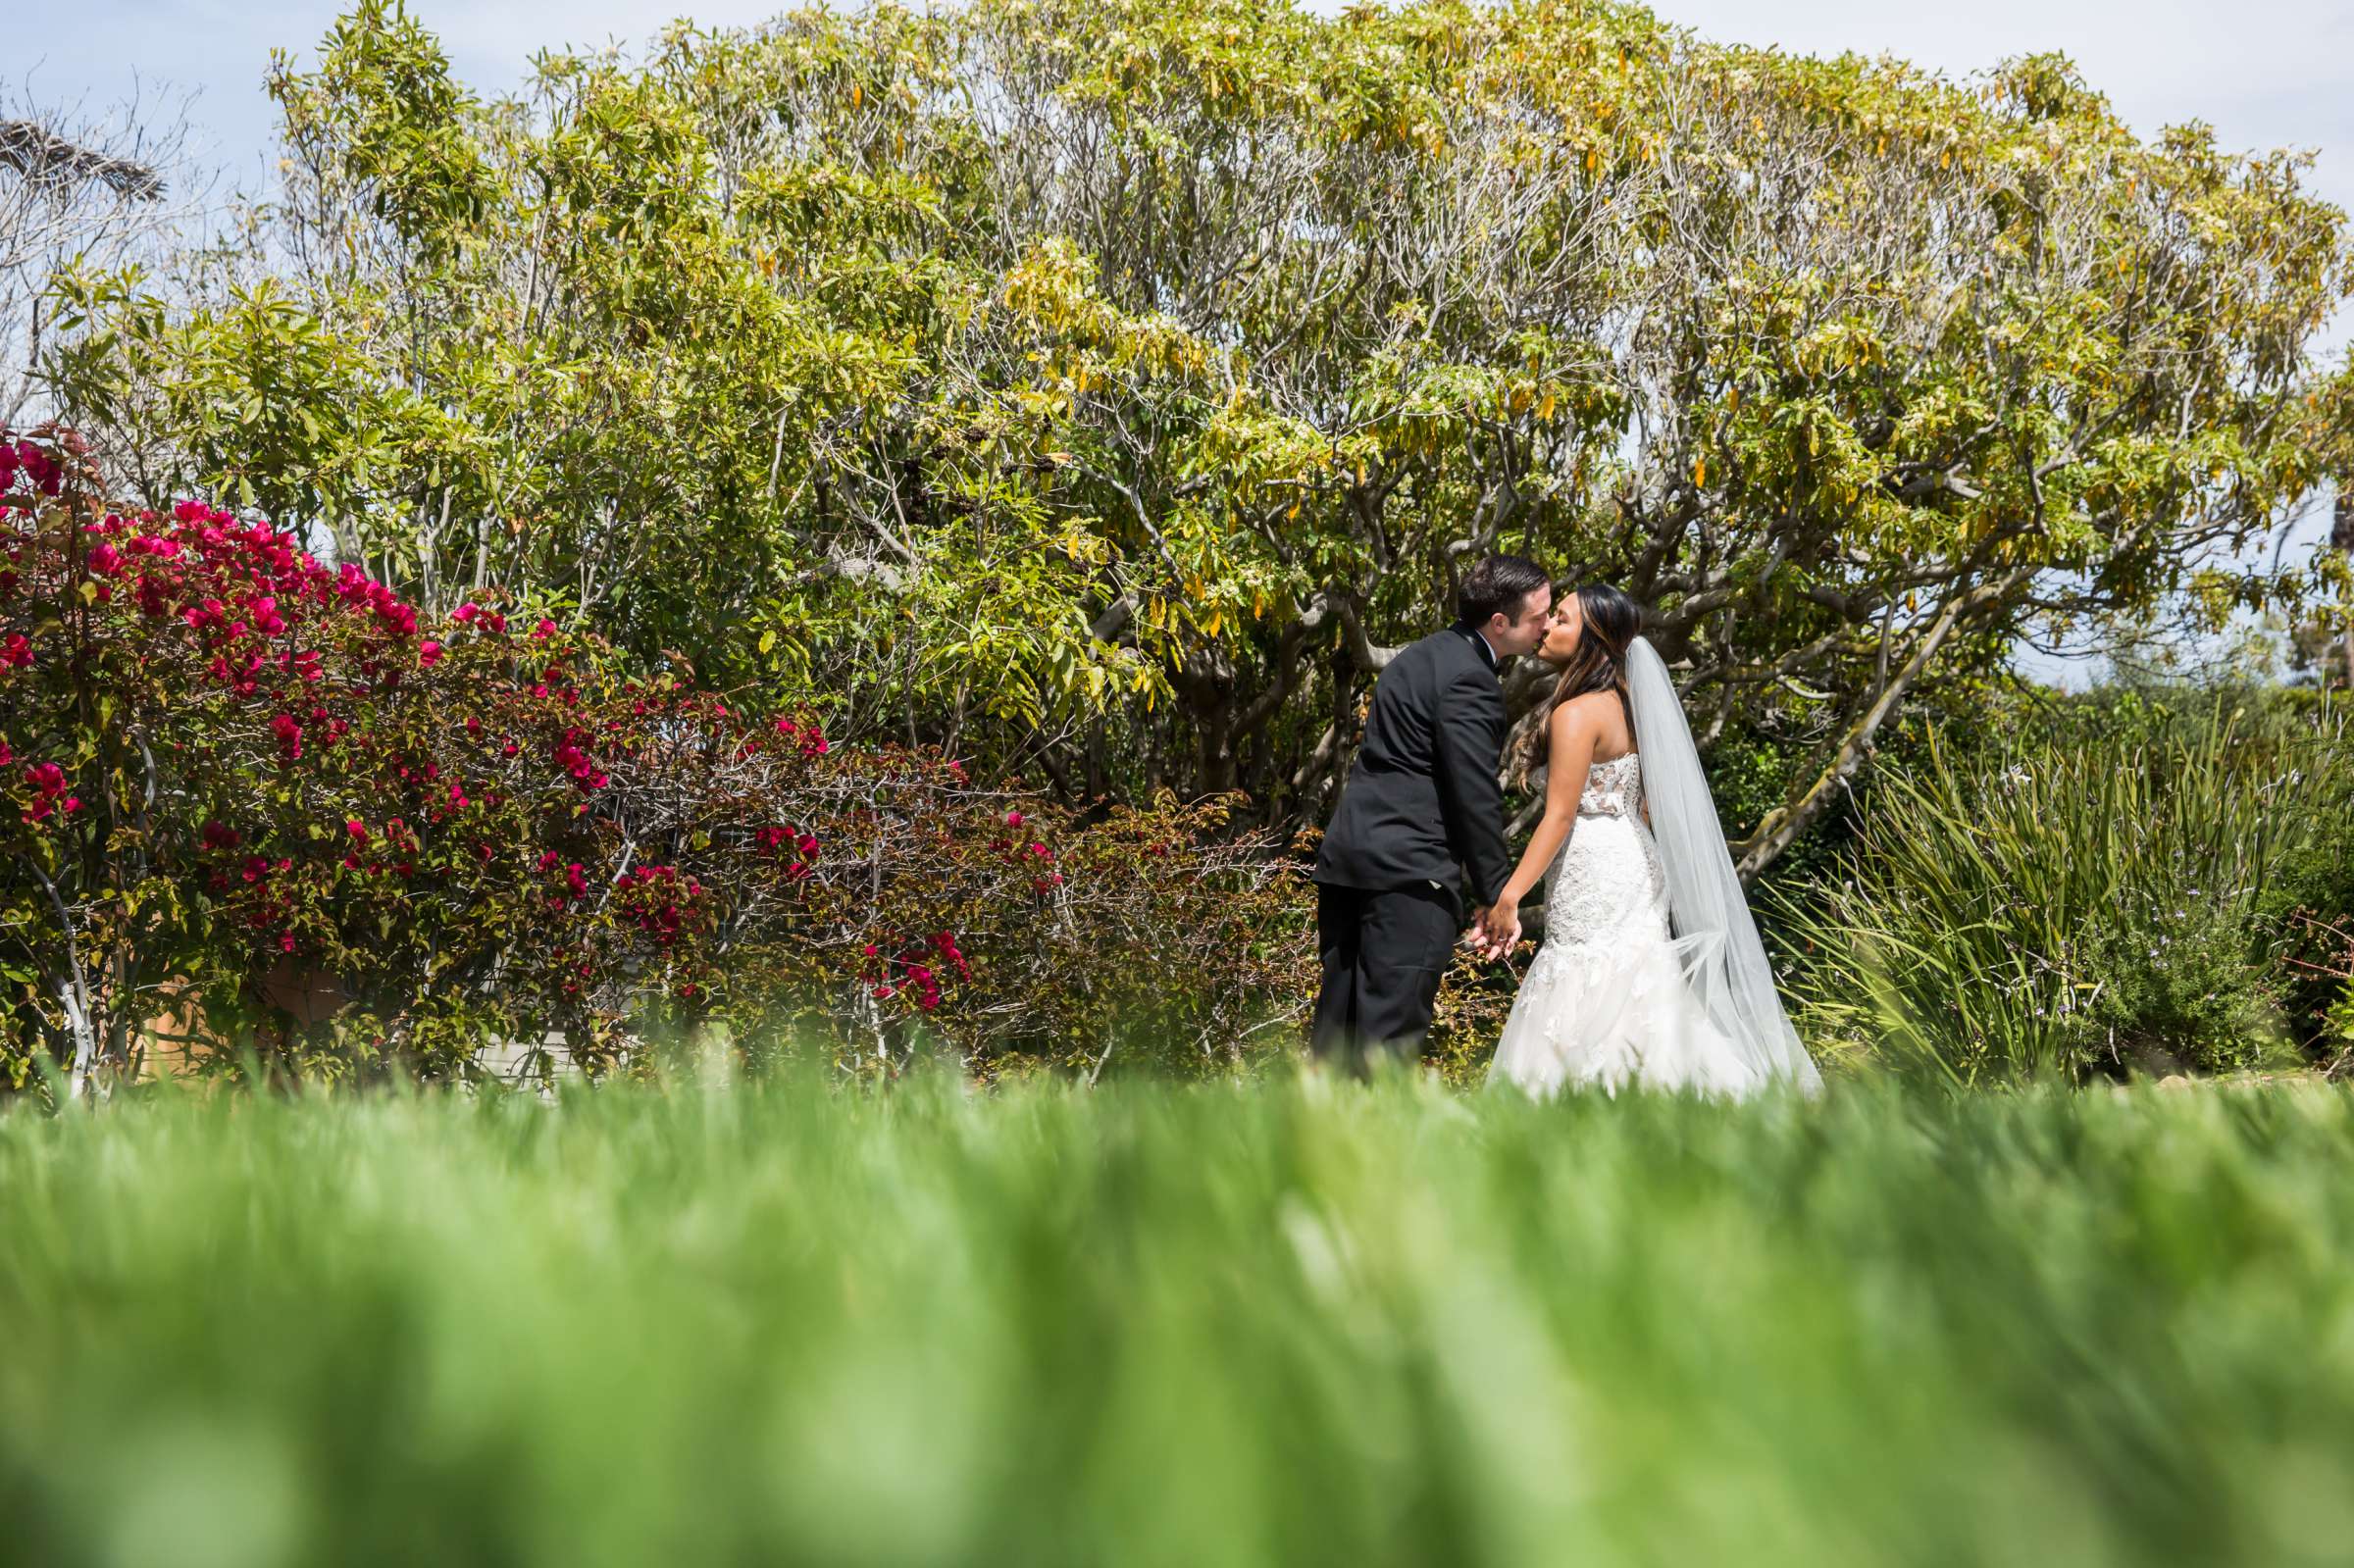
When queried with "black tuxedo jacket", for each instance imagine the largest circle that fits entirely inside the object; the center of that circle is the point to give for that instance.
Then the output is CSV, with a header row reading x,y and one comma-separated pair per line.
x,y
1422,803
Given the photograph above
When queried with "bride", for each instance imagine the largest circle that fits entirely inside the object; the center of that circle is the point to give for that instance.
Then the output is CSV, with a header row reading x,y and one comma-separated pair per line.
x,y
1651,972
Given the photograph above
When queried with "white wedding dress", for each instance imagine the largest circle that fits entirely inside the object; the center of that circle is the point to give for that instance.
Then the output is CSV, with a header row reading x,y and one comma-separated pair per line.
x,y
1634,984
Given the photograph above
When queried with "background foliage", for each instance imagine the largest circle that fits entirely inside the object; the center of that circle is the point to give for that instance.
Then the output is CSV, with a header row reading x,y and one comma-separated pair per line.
x,y
1096,390
1093,396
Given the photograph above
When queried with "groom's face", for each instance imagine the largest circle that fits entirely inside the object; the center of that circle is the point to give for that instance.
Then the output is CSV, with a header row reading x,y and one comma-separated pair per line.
x,y
1525,628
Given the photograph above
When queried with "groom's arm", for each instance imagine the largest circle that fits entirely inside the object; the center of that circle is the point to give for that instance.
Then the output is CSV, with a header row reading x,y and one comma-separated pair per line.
x,y
1470,746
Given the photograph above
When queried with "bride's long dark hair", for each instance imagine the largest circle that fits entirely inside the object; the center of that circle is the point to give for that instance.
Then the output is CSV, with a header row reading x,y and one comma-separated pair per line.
x,y
1610,621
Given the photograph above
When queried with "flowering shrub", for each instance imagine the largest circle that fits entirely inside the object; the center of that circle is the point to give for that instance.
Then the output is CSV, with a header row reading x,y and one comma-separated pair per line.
x,y
228,765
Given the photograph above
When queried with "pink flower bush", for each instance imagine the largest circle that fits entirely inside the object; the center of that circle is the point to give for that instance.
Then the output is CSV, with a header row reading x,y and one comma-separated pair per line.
x,y
481,835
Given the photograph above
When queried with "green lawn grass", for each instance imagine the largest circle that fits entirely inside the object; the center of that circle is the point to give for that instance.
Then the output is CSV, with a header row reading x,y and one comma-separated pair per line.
x,y
1273,1324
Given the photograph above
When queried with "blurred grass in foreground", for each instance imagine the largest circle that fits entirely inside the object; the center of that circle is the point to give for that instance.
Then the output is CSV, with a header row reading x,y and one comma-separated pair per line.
x,y
1152,1325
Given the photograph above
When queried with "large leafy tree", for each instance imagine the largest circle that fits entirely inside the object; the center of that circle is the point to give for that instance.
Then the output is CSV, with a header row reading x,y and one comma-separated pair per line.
x,y
1102,388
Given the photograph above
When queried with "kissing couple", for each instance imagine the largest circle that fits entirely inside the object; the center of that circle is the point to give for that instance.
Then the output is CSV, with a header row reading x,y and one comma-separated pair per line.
x,y
1651,972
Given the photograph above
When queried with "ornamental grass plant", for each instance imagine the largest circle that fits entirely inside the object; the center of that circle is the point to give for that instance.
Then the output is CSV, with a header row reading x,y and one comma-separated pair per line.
x,y
2107,890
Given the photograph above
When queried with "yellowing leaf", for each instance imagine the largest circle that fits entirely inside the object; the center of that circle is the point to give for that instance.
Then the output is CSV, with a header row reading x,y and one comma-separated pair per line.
x,y
768,641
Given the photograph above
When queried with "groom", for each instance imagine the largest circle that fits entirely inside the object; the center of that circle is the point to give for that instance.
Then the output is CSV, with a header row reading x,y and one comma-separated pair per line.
x,y
1420,814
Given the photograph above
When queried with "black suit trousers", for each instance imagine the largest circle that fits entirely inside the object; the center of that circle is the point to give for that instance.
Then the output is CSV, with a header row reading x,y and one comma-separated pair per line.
x,y
1384,951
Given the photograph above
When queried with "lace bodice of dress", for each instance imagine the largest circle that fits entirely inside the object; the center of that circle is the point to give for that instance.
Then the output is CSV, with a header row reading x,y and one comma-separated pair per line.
x,y
1613,789
1608,884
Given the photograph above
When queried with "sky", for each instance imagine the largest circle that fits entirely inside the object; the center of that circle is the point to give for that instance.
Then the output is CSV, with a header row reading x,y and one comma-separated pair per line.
x,y
2265,74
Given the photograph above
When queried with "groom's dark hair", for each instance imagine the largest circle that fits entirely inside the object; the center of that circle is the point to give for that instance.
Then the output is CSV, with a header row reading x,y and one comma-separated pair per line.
x,y
1496,586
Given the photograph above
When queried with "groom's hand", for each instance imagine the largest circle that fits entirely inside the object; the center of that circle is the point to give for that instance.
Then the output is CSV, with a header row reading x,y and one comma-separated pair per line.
x,y
1476,939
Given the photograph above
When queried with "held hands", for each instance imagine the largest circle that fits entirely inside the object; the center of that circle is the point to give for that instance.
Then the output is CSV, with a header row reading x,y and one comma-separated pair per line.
x,y
1495,929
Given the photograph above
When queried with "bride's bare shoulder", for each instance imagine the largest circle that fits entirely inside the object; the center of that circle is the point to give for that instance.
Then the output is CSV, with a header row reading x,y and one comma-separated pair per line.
x,y
1587,710
1596,717
1585,718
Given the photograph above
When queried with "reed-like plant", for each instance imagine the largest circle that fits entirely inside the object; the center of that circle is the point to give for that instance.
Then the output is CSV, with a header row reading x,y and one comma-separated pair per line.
x,y
2049,910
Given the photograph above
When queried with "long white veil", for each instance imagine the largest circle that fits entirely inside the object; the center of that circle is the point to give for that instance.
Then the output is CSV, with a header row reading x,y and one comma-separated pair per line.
x,y
1723,960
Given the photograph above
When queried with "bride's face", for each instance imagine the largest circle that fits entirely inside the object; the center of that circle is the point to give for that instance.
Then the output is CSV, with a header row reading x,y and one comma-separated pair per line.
x,y
1561,638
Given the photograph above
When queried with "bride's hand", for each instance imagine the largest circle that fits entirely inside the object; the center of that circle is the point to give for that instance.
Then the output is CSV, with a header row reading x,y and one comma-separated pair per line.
x,y
1499,929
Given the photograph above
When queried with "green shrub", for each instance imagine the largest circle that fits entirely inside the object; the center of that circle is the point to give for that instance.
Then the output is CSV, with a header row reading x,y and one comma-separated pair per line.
x,y
2317,880
2173,984
2085,899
